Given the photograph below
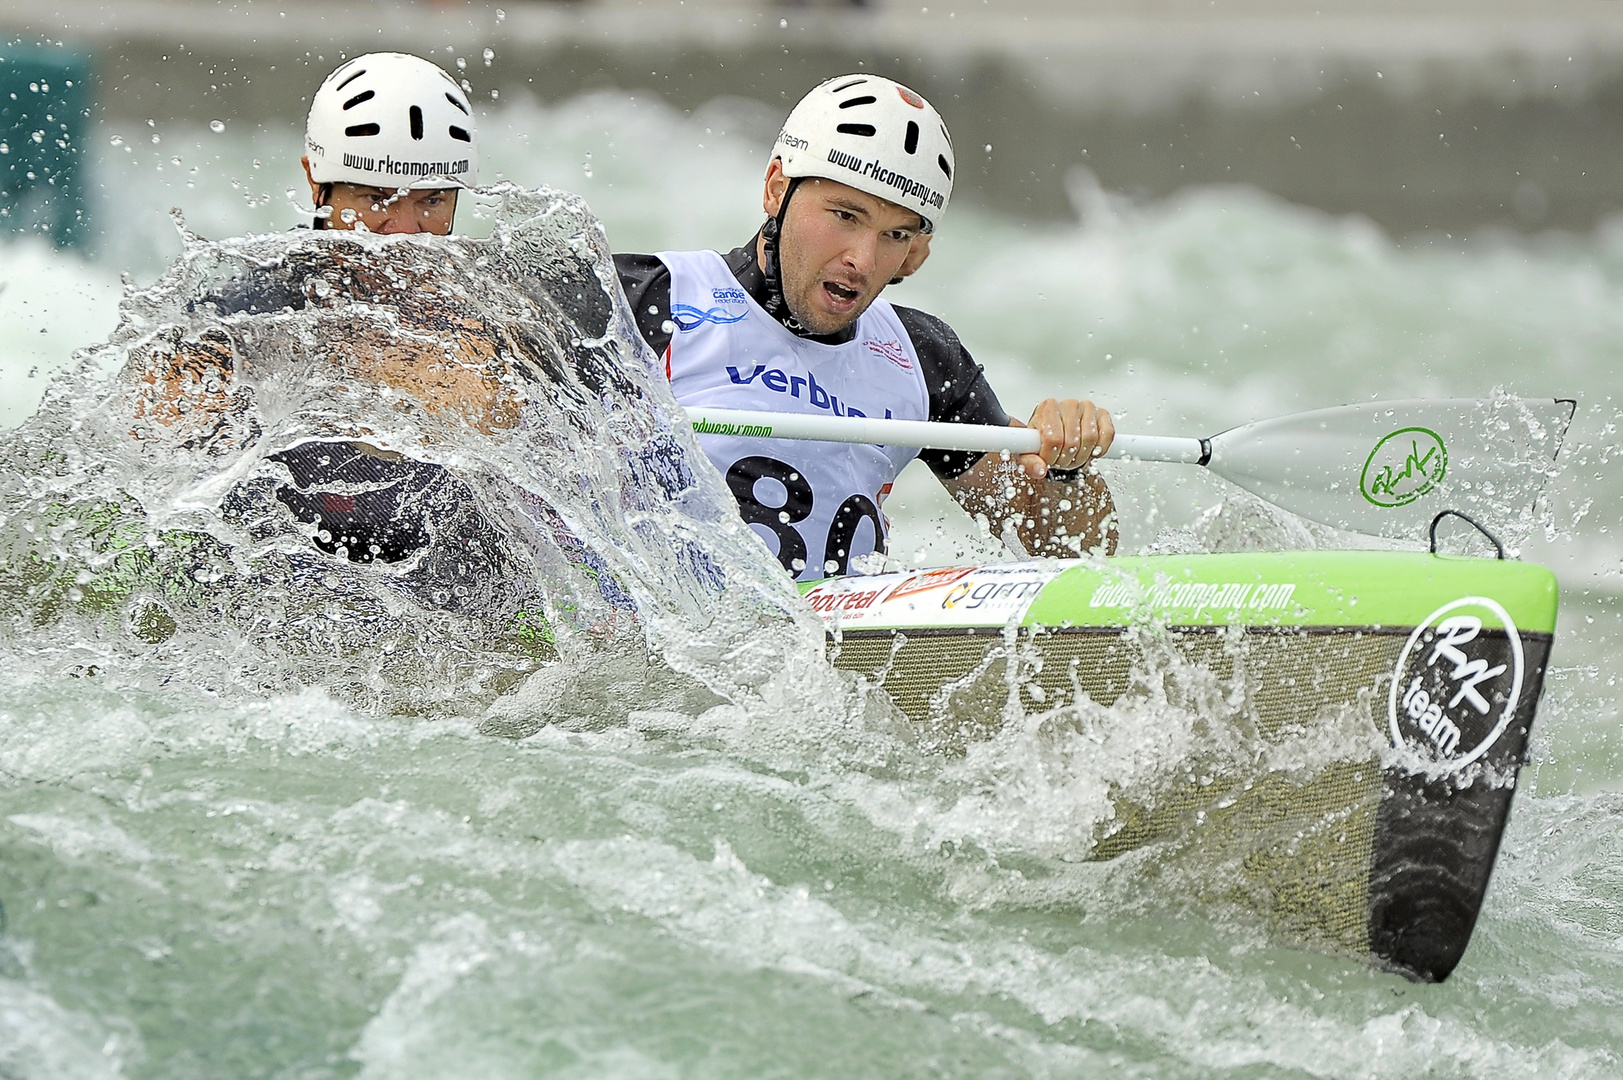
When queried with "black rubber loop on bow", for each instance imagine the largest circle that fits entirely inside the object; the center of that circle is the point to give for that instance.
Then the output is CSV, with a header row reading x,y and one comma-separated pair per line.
x,y
1471,521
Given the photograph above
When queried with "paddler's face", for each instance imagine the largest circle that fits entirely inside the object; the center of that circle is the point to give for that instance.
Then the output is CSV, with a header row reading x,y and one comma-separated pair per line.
x,y
386,211
391,211
840,247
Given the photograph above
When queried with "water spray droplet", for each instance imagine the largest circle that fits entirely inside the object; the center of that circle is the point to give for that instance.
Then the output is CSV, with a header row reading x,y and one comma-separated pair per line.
x,y
216,126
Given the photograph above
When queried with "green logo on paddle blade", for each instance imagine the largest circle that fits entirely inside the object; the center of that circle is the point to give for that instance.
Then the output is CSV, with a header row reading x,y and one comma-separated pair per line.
x,y
1404,466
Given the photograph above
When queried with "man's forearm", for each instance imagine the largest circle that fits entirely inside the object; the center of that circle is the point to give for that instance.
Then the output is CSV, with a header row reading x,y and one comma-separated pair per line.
x,y
1067,519
1049,517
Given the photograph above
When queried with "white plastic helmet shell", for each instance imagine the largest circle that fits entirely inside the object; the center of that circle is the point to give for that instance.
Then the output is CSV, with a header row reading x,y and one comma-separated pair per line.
x,y
873,134
392,120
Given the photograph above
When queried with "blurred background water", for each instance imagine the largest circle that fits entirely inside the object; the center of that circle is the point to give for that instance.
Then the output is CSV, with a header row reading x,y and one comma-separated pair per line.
x,y
196,885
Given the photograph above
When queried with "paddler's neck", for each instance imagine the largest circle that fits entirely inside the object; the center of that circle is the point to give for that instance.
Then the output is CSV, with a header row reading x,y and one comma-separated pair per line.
x,y
748,265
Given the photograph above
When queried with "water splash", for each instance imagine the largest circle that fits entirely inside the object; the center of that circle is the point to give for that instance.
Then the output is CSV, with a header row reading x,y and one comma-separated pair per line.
x,y
298,885
413,470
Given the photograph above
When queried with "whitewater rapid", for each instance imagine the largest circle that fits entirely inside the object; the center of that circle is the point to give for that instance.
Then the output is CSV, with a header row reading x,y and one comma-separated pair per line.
x,y
204,879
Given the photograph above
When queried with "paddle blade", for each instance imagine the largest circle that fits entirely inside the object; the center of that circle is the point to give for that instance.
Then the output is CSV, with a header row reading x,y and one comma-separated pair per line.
x,y
1388,467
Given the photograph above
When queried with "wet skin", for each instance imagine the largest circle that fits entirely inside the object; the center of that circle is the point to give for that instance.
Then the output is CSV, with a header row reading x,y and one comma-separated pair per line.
x,y
838,250
840,247
388,211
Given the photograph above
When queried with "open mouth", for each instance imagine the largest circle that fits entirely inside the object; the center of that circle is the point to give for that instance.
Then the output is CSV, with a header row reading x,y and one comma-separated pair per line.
x,y
840,292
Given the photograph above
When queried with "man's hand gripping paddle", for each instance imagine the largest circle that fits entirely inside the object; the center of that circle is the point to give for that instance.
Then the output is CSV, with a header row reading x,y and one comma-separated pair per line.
x,y
1383,467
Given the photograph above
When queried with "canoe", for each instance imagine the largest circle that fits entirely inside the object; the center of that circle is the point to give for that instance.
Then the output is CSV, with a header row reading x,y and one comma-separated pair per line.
x,y
1384,699
147,511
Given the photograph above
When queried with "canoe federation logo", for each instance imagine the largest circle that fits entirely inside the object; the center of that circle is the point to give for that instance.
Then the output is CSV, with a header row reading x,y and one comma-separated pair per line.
x,y
1457,683
1404,466
689,318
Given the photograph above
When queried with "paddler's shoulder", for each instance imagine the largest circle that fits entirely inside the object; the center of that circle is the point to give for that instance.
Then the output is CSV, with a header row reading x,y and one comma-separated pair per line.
x,y
936,342
646,281
254,291
746,267
642,272
959,392
638,273
639,266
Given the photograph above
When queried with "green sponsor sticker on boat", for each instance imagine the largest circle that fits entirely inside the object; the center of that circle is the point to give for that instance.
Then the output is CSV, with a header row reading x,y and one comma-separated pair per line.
x,y
1351,589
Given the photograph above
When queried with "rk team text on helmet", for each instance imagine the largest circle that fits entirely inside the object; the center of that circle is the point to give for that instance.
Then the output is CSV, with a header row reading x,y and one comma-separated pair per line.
x,y
392,121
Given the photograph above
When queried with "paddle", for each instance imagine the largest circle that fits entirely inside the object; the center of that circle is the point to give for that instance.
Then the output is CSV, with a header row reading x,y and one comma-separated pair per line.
x,y
1381,467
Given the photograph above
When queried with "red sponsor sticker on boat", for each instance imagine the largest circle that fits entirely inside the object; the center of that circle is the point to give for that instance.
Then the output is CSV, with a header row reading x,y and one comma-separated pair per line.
x,y
952,596
930,579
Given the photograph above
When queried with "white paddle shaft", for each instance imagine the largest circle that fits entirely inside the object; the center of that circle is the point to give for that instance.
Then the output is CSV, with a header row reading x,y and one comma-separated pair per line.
x,y
1381,467
883,432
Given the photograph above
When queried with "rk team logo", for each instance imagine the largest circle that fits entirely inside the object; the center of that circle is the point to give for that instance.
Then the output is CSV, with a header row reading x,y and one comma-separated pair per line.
x,y
1457,682
1404,466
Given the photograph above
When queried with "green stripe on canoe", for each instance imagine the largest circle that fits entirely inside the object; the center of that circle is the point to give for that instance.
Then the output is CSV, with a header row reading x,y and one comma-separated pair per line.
x,y
1296,588
1374,589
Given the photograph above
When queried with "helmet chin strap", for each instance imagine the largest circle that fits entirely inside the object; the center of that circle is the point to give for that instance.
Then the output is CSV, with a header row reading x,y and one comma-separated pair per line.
x,y
771,232
323,198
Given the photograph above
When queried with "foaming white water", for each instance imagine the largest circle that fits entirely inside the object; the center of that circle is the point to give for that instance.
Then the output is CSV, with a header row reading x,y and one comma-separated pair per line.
x,y
40,1038
719,905
216,881
51,303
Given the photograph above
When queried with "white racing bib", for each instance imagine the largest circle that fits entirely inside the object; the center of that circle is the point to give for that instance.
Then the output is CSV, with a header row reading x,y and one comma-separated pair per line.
x,y
816,504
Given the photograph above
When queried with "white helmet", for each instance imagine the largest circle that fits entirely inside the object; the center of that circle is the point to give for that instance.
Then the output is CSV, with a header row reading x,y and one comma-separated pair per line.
x,y
875,135
392,120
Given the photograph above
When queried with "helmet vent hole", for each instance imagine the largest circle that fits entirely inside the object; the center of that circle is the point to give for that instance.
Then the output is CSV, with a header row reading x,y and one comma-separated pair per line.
x,y
865,130
356,131
460,134
351,79
843,87
941,160
417,123
365,95
457,103
911,143
867,99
